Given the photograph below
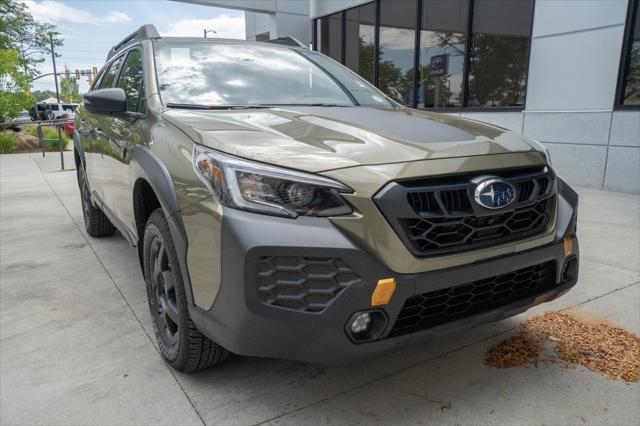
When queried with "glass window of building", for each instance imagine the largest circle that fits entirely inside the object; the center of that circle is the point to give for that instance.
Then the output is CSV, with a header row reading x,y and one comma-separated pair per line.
x,y
631,79
330,36
397,45
360,40
442,53
499,54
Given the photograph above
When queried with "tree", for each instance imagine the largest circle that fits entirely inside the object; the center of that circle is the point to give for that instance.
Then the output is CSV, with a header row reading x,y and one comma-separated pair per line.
x,y
69,91
41,95
498,67
18,30
14,87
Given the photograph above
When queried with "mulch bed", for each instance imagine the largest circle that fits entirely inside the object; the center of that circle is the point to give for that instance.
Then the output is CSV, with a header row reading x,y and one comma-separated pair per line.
x,y
576,340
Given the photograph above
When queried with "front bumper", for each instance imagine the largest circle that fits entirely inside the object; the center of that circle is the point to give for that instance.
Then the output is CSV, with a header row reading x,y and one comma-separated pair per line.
x,y
242,323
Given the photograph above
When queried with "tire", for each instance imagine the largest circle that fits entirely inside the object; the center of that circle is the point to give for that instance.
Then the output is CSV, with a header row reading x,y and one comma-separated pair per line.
x,y
95,221
181,344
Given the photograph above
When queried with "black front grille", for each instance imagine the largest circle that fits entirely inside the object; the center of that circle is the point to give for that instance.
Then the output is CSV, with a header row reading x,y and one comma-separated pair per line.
x,y
307,284
428,310
439,216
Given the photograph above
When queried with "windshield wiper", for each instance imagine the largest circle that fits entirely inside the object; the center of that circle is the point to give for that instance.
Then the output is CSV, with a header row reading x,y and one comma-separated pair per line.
x,y
202,106
318,104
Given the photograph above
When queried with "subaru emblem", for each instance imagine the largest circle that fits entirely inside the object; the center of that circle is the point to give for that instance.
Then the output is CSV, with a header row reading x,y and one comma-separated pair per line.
x,y
494,193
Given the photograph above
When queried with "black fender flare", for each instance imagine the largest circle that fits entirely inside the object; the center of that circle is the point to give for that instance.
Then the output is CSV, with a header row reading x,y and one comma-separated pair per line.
x,y
145,165
567,210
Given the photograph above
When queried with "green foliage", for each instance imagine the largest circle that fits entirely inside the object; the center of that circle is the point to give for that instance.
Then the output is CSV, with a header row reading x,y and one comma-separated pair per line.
x,y
498,67
29,129
18,30
632,87
41,95
14,88
69,91
50,134
8,142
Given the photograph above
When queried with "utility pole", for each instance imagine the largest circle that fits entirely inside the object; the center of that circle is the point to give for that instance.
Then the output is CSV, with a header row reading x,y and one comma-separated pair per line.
x,y
55,76
55,71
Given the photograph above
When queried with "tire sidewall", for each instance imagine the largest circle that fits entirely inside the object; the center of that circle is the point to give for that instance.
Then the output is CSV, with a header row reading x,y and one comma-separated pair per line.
x,y
157,227
82,183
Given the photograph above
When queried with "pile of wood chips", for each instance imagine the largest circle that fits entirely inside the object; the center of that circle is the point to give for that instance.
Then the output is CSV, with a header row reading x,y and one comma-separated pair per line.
x,y
576,339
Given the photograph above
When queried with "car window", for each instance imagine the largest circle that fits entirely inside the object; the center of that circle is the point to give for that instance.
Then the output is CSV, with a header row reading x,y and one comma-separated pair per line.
x,y
130,80
111,74
98,79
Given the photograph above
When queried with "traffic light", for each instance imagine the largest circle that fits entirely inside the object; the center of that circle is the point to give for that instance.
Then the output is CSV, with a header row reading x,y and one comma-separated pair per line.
x,y
95,72
77,74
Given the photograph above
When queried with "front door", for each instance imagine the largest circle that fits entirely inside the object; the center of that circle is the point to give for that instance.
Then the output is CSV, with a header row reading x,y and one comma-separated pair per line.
x,y
93,130
116,183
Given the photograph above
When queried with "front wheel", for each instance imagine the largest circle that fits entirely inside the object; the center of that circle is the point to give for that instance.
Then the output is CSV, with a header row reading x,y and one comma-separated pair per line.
x,y
181,344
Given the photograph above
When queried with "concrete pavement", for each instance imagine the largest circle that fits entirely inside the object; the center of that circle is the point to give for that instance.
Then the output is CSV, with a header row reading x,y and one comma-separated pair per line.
x,y
77,347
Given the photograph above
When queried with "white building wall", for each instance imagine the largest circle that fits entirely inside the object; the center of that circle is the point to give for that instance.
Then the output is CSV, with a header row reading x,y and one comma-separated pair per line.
x,y
326,7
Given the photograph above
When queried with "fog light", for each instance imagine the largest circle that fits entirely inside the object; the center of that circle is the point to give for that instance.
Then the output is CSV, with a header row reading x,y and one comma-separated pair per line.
x,y
366,326
361,323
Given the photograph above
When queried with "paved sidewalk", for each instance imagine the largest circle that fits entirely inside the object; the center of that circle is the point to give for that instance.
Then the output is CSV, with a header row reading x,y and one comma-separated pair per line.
x,y
77,347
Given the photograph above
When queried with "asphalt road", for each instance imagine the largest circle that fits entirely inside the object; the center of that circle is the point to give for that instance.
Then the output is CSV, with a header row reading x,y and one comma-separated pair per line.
x,y
77,347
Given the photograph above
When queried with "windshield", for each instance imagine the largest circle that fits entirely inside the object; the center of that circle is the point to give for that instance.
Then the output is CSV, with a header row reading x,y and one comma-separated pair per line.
x,y
231,74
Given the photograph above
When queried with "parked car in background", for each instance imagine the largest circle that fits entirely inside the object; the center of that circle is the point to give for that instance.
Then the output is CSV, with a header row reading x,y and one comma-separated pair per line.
x,y
69,126
51,111
284,207
22,117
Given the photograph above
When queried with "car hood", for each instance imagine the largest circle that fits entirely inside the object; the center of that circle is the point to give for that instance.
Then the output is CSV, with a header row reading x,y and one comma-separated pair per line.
x,y
318,139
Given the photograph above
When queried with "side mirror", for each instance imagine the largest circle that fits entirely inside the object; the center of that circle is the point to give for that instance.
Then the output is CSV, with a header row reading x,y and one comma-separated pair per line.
x,y
106,101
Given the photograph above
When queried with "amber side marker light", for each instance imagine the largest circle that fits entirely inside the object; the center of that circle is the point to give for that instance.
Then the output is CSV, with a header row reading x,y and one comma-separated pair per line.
x,y
567,245
383,292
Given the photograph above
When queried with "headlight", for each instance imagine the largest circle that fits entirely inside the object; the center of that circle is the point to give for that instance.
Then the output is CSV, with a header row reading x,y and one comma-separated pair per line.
x,y
261,188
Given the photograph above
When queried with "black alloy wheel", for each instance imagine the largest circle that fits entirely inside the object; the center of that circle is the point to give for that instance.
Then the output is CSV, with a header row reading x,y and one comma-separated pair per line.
x,y
163,285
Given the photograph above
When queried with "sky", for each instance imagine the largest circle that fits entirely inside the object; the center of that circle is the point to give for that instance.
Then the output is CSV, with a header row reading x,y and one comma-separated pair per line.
x,y
91,27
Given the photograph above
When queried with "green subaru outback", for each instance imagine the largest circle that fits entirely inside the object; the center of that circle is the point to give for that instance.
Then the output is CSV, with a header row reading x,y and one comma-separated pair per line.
x,y
283,207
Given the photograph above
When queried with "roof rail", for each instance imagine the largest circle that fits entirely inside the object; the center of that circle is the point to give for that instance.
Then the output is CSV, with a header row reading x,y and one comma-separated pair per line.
x,y
144,32
288,41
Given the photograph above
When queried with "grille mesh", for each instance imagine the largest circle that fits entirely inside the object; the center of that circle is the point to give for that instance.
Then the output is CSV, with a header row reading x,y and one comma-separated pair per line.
x,y
307,284
438,215
428,310
431,235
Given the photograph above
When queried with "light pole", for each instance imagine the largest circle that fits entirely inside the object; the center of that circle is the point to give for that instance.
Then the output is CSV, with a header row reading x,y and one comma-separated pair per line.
x,y
55,76
55,71
209,31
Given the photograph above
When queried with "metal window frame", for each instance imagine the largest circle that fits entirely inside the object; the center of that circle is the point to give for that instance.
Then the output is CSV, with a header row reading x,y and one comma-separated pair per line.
x,y
416,57
633,9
